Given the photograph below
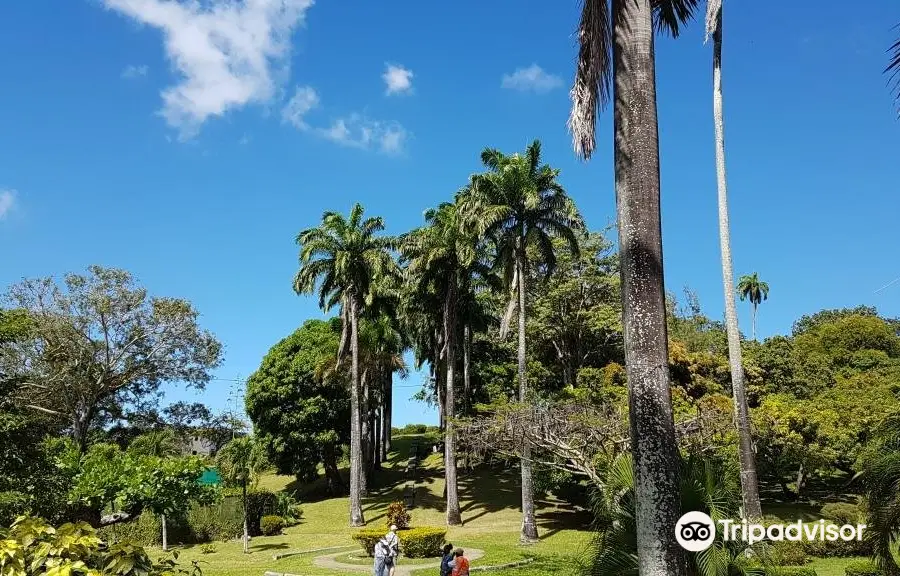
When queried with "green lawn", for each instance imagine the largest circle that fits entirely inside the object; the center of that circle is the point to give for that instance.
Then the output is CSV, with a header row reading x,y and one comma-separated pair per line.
x,y
490,505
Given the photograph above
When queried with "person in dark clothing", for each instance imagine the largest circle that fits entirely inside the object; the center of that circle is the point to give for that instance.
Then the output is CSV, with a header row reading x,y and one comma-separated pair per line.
x,y
446,558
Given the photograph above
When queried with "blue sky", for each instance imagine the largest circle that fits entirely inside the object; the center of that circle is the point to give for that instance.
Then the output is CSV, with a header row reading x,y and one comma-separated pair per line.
x,y
128,138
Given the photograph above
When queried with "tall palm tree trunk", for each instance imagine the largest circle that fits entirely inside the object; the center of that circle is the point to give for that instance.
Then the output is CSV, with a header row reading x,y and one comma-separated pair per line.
x,y
364,416
388,412
656,458
356,470
754,320
467,383
454,518
529,526
165,533
376,438
749,485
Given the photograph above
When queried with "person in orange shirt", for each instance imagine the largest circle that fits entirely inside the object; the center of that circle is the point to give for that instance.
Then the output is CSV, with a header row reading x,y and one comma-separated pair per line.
x,y
460,564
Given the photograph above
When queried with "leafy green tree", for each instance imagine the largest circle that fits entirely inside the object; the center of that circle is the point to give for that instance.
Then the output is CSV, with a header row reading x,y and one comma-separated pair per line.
x,y
98,343
341,260
517,204
881,476
750,287
299,411
240,462
616,60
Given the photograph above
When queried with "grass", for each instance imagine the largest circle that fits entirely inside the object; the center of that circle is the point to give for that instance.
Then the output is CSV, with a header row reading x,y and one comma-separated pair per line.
x,y
489,499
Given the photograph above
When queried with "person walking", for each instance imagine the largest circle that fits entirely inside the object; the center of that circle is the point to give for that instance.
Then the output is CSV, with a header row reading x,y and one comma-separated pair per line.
x,y
459,564
392,543
446,558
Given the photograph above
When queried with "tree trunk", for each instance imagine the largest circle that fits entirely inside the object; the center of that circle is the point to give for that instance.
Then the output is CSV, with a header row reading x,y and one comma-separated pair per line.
x,y
439,378
356,513
529,526
332,473
749,485
246,537
364,444
656,457
754,320
801,478
467,383
388,412
165,535
454,517
81,425
377,443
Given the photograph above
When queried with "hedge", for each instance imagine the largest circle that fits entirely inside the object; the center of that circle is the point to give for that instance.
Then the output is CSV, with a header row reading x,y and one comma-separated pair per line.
x,y
863,568
841,512
791,571
424,542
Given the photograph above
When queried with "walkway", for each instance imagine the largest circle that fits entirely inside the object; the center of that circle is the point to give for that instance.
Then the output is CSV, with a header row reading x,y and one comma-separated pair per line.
x,y
330,562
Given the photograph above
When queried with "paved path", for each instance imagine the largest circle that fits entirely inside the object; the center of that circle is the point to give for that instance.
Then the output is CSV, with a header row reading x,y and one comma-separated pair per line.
x,y
330,562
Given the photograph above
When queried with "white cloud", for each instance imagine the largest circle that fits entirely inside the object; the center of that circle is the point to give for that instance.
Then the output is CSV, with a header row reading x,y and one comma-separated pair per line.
x,y
398,79
132,71
225,51
357,131
7,199
303,100
533,79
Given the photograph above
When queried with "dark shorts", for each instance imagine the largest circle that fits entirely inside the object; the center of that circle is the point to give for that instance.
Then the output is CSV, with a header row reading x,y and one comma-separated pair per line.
x,y
388,562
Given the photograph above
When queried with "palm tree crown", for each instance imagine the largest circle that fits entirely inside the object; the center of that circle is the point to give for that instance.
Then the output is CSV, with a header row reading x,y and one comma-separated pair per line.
x,y
750,287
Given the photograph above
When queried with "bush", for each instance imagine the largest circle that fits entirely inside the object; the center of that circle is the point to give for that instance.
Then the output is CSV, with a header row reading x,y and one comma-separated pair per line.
x,y
838,548
840,513
863,568
259,504
288,508
368,538
145,530
271,525
209,523
786,553
422,542
398,515
790,571
208,549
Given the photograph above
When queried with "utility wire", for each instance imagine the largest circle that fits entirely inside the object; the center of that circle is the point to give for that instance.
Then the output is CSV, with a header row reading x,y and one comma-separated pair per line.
x,y
888,285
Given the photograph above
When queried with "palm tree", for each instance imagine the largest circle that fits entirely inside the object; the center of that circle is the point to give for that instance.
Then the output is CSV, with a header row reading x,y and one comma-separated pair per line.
x,y
240,463
881,477
341,259
752,288
519,204
443,258
749,483
893,69
616,50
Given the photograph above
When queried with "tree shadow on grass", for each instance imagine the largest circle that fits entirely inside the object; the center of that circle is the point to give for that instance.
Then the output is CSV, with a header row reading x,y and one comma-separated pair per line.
x,y
267,547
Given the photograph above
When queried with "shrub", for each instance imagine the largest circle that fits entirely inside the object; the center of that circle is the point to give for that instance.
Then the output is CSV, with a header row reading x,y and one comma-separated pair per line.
x,y
840,513
790,571
145,530
398,515
208,549
209,523
288,508
271,525
368,538
863,568
786,553
422,542
259,503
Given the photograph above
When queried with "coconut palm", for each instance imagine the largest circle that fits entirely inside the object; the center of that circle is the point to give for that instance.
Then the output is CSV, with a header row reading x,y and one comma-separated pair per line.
x,y
750,287
517,204
341,259
616,61
240,462
893,69
749,483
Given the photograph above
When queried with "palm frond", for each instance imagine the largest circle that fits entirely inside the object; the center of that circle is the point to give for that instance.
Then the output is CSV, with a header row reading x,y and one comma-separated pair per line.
x,y
893,68
670,15
591,90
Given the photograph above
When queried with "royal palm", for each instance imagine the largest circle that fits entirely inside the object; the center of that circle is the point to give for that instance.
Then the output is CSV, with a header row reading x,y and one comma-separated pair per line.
x,y
750,287
518,204
341,259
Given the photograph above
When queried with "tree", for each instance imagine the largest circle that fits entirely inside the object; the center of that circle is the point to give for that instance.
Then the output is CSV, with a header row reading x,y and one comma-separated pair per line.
x,y
881,476
99,343
518,203
442,258
749,484
616,46
341,259
752,288
300,412
156,443
240,463
893,69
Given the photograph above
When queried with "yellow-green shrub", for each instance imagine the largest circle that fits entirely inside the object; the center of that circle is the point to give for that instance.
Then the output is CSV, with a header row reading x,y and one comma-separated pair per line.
x,y
424,542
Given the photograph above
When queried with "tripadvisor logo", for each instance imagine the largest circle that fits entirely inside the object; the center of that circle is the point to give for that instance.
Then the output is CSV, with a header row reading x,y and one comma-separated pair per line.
x,y
696,531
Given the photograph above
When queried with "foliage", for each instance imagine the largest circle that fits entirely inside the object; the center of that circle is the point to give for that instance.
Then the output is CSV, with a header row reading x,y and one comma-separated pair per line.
x,y
863,568
259,503
145,529
881,477
841,512
397,515
423,542
211,523
368,538
155,443
790,571
120,346
107,477
33,547
298,412
287,506
787,553
271,525
208,549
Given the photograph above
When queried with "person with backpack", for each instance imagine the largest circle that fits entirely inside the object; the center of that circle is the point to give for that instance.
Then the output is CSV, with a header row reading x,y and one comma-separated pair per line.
x,y
446,558
392,543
